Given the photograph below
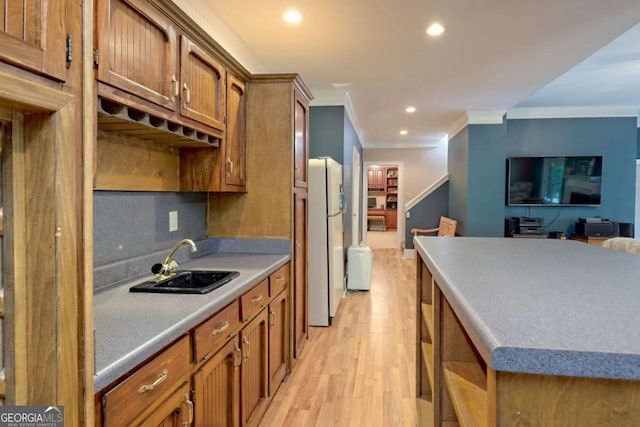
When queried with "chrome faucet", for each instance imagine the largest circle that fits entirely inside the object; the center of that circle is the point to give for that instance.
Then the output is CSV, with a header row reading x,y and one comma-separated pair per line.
x,y
170,265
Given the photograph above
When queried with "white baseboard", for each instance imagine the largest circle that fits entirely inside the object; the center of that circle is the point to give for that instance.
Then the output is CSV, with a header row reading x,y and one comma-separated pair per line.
x,y
410,254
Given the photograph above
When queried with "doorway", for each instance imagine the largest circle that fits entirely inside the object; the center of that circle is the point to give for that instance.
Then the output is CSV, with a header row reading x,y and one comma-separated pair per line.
x,y
382,185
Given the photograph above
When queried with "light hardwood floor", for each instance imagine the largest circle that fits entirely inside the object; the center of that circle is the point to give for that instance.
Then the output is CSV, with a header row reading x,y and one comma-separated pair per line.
x,y
361,370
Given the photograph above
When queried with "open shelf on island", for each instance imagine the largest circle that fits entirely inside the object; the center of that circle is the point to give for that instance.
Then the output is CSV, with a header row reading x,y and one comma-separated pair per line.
x,y
427,358
427,317
467,385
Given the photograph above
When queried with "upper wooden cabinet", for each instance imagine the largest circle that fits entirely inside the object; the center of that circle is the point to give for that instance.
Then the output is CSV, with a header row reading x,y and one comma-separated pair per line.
x,y
235,175
376,179
301,140
202,85
33,36
137,51
145,59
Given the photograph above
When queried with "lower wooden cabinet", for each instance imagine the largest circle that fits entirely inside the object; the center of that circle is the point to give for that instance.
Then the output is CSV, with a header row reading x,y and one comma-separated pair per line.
x,y
216,387
223,373
176,411
254,369
278,338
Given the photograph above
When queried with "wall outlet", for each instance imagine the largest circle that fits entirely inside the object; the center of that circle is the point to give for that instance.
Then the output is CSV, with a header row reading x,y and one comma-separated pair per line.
x,y
408,214
173,221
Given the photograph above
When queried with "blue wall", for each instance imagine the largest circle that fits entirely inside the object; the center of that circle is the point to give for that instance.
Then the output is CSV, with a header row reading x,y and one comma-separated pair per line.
x,y
326,133
331,134
615,139
457,164
477,170
427,213
487,171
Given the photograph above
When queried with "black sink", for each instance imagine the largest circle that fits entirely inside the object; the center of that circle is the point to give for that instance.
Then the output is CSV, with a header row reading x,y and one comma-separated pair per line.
x,y
188,282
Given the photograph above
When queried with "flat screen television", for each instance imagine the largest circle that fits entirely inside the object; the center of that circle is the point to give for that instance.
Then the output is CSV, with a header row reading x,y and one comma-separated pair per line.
x,y
554,181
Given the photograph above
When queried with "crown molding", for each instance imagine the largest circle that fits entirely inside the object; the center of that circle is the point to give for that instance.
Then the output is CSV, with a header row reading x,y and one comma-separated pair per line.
x,y
476,117
399,145
571,112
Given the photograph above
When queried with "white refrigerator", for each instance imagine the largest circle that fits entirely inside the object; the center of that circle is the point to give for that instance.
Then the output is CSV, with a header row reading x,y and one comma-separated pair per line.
x,y
326,248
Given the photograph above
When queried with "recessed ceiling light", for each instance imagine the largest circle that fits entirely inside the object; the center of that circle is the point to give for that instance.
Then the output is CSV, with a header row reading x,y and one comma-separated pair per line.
x,y
410,109
435,29
345,84
292,16
403,132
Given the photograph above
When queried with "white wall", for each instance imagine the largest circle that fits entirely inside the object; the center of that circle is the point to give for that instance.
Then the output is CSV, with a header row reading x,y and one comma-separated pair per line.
x,y
422,166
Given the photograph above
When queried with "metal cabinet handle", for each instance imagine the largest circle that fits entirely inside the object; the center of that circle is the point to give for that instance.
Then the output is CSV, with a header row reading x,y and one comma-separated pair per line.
x,y
190,411
237,357
221,329
257,299
272,317
298,247
147,387
187,94
230,169
245,356
175,92
280,278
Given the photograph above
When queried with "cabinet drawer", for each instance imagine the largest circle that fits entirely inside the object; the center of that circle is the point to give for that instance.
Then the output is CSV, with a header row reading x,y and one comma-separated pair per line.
x,y
213,333
254,300
147,385
278,280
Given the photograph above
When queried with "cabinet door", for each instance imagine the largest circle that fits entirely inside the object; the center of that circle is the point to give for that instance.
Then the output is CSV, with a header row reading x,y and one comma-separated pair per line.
x,y
380,178
391,219
217,389
236,135
254,370
33,35
176,411
138,50
202,85
301,141
278,320
300,316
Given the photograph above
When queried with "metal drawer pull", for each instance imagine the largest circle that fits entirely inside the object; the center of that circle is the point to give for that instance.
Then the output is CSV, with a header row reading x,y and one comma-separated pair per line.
x,y
256,299
145,388
221,329
280,279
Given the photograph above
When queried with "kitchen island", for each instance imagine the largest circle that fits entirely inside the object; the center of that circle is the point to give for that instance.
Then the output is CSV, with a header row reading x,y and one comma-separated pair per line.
x,y
527,332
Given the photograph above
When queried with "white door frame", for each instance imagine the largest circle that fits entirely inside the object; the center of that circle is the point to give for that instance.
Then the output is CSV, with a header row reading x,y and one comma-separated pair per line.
x,y
636,227
355,198
400,211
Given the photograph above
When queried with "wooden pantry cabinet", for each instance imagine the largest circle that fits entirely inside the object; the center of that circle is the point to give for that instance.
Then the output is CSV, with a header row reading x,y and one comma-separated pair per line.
x,y
274,206
34,36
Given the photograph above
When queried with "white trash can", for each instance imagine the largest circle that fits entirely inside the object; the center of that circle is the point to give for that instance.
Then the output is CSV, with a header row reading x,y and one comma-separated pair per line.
x,y
359,268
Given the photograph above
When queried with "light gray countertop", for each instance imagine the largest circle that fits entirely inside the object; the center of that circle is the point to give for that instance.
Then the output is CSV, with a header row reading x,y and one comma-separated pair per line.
x,y
131,327
543,306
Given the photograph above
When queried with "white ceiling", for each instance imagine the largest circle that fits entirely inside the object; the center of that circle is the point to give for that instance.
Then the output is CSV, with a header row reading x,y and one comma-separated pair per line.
x,y
494,55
